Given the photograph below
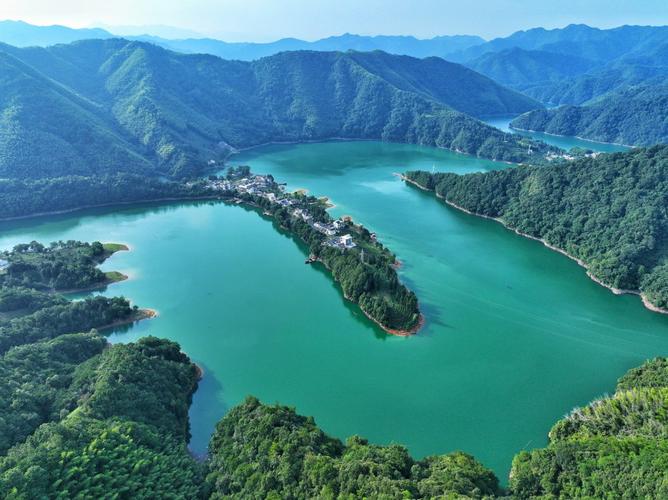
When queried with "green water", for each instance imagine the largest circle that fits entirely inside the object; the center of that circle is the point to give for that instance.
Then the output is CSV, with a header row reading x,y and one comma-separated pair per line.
x,y
516,334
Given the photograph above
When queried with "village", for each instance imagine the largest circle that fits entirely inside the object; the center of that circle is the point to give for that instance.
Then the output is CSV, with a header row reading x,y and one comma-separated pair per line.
x,y
264,186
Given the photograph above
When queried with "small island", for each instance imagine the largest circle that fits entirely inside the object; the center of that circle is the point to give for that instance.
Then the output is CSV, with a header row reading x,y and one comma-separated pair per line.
x,y
358,262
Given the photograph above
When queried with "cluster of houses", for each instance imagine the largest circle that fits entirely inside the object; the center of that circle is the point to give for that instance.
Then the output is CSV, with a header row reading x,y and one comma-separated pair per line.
x,y
266,187
342,242
256,184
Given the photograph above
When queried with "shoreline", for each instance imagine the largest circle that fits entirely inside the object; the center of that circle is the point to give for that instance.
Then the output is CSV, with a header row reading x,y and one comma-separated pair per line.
x,y
110,204
118,276
97,286
572,136
617,291
386,329
140,315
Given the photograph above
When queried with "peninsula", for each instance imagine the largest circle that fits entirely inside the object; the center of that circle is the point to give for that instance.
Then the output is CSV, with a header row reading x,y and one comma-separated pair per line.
x,y
358,262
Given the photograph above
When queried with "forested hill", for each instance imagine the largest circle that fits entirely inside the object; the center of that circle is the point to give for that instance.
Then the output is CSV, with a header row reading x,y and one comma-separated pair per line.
x,y
610,211
638,116
103,106
521,69
615,447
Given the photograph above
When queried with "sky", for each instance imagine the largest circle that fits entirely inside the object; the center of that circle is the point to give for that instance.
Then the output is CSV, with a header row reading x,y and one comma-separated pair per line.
x,y
267,20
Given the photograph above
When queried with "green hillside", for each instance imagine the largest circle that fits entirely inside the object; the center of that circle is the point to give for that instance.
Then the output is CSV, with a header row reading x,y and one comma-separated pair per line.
x,y
616,447
519,68
120,106
46,129
610,211
638,116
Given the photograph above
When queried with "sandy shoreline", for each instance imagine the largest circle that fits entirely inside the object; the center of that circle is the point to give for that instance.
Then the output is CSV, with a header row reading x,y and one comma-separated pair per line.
x,y
580,262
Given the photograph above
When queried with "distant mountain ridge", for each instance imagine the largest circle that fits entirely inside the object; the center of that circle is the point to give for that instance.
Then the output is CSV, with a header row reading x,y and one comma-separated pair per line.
x,y
575,64
102,106
439,46
21,34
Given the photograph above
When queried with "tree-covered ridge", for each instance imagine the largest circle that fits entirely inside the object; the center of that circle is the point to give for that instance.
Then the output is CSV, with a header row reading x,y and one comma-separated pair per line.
x,y
610,211
63,265
37,380
262,451
519,68
71,317
616,447
638,116
80,418
120,106
20,198
125,436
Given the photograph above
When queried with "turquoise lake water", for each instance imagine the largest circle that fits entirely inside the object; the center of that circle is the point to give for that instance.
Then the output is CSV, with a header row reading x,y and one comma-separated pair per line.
x,y
516,335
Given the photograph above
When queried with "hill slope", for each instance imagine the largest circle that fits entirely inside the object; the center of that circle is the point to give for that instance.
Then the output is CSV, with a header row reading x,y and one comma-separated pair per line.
x,y
519,68
615,447
638,115
611,212
179,111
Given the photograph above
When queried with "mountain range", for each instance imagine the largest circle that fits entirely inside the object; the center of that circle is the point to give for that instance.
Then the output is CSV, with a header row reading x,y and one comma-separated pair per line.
x,y
575,64
117,105
21,34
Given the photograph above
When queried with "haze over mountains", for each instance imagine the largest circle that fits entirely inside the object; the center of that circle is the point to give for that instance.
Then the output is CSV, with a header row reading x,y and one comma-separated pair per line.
x,y
576,65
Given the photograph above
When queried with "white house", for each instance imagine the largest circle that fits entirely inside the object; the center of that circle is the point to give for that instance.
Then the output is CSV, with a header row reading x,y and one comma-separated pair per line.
x,y
324,228
346,241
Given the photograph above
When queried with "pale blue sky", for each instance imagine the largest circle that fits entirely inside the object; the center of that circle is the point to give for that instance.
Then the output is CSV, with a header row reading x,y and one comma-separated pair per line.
x,y
265,20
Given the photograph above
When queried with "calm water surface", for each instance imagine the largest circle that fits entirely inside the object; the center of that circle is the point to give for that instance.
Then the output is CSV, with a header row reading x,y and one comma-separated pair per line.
x,y
560,141
516,335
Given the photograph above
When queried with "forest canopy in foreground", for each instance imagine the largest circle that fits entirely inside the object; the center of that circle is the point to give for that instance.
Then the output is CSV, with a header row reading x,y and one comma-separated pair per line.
x,y
82,418
610,211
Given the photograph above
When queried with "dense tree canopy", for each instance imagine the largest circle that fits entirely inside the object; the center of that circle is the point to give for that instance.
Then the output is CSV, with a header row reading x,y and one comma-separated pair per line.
x,y
261,451
59,266
611,211
636,115
126,434
616,447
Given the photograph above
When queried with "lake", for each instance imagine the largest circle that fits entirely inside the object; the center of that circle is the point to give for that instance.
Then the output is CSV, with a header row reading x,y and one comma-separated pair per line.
x,y
516,335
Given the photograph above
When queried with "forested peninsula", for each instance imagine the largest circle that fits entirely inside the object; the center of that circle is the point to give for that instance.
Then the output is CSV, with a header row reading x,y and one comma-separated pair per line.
x,y
609,212
358,262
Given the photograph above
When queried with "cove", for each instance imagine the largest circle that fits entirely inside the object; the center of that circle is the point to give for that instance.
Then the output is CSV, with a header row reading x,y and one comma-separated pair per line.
x,y
516,335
